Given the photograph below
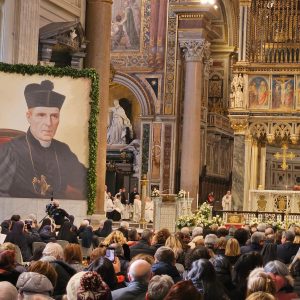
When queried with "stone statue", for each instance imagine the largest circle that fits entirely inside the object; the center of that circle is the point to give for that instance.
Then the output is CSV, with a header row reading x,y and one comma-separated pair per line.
x,y
134,147
118,123
237,88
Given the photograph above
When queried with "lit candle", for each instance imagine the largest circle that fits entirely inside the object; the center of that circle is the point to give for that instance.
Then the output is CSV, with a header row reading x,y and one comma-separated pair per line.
x,y
188,195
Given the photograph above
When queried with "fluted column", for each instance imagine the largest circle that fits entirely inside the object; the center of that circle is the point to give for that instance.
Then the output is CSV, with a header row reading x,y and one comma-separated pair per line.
x,y
263,162
194,52
254,161
26,35
98,28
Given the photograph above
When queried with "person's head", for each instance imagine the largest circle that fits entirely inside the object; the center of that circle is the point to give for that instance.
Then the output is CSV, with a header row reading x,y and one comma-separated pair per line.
x,y
72,253
261,227
124,224
202,272
165,254
183,290
139,271
7,259
87,285
134,189
84,223
260,296
174,243
146,257
119,251
147,236
245,264
195,254
18,227
43,109
104,267
15,218
222,232
197,231
8,291
137,197
259,281
211,241
287,236
115,237
185,230
258,238
55,203
107,226
54,250
241,235
97,252
159,287
276,267
44,268
269,230
232,247
221,244
133,235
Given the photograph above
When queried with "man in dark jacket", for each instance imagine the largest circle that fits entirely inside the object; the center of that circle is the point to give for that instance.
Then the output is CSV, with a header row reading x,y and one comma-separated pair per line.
x,y
165,263
139,275
287,249
144,245
256,243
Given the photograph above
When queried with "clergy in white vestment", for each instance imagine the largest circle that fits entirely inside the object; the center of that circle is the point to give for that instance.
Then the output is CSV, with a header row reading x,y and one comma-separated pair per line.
x,y
226,201
148,209
137,208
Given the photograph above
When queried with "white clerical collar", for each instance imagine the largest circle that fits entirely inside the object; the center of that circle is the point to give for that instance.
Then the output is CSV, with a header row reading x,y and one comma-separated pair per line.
x,y
45,144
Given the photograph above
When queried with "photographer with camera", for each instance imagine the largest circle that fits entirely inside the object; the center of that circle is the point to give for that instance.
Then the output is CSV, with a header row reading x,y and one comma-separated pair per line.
x,y
56,213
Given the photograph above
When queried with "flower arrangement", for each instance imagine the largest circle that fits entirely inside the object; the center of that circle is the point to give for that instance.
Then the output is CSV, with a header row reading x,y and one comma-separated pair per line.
x,y
254,222
202,217
155,193
181,194
186,221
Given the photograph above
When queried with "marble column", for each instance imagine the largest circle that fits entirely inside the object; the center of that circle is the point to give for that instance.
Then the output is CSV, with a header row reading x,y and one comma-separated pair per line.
x,y
98,28
263,162
238,170
254,161
26,35
194,51
248,143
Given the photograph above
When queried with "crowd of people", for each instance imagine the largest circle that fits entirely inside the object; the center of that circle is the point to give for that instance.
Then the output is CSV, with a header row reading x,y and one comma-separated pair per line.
x,y
257,262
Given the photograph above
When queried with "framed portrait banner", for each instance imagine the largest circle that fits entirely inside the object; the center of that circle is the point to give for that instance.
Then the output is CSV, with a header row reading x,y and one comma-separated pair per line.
x,y
259,92
48,132
283,92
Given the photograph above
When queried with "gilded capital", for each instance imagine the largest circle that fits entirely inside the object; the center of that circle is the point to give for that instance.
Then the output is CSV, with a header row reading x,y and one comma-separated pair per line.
x,y
194,50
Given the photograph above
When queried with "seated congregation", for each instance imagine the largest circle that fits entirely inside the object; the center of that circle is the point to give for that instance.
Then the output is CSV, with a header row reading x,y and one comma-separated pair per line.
x,y
39,262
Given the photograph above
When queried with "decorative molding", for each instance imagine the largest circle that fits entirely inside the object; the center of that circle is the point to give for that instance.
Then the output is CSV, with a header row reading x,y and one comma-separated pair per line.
x,y
194,50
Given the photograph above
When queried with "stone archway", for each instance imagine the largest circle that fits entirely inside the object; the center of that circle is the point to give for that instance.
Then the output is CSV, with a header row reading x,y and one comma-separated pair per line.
x,y
147,108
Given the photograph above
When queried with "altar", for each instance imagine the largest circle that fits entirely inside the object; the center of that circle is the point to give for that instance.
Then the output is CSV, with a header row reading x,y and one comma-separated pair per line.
x,y
274,201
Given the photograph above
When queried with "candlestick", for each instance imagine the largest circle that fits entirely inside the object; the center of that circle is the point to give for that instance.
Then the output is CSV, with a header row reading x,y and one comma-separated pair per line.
x,y
197,200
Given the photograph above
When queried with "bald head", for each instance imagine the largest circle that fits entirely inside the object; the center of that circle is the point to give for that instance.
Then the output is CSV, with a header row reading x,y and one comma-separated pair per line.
x,y
140,271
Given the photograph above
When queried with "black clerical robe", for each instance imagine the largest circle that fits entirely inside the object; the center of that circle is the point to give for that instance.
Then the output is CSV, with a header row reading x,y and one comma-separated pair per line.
x,y
23,159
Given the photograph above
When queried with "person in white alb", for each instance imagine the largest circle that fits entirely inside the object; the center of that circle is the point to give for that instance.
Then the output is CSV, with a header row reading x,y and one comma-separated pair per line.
x,y
226,201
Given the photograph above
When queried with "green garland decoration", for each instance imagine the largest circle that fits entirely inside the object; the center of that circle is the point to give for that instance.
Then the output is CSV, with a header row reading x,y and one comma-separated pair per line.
x,y
94,103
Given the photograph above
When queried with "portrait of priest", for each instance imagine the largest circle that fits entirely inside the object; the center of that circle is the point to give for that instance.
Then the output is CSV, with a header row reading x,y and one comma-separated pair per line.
x,y
36,165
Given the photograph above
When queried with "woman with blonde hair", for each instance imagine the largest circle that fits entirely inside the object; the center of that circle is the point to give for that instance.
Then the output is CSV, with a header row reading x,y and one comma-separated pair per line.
x,y
260,281
117,237
232,250
261,296
174,243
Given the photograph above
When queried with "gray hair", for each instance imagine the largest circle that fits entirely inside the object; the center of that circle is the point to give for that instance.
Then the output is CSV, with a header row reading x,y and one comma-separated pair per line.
x,y
124,224
261,227
185,230
277,267
289,235
159,287
165,254
197,231
257,237
210,240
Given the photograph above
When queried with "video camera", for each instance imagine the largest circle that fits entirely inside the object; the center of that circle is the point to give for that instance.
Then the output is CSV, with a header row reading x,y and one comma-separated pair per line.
x,y
50,208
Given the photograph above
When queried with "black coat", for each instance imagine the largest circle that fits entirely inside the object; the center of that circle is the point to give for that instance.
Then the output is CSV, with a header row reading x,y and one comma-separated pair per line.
x,y
134,291
64,274
142,247
286,251
162,268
